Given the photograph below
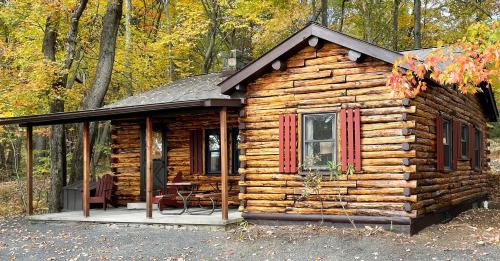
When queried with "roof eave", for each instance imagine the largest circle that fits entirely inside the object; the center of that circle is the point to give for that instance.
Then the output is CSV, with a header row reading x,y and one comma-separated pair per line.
x,y
297,40
116,113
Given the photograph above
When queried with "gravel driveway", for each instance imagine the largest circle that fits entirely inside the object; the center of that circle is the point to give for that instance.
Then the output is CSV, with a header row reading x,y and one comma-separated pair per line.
x,y
464,238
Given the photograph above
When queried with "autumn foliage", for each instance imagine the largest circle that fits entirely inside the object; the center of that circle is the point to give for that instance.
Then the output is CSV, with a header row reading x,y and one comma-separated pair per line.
x,y
466,65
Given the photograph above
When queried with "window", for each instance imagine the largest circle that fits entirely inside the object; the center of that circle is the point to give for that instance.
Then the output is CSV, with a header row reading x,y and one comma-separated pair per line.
x,y
464,141
213,151
158,144
319,138
212,145
447,143
477,149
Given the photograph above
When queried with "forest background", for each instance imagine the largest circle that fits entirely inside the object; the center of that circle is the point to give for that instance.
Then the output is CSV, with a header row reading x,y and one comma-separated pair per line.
x,y
67,55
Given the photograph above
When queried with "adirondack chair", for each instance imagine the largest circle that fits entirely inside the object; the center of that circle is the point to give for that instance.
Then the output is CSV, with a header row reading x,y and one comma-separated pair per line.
x,y
104,190
170,198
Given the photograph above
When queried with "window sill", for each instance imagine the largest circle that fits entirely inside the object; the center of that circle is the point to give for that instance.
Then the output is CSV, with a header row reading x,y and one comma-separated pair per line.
x,y
448,170
326,173
218,174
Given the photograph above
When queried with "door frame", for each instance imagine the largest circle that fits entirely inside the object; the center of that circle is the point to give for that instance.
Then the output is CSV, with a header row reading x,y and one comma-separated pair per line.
x,y
157,126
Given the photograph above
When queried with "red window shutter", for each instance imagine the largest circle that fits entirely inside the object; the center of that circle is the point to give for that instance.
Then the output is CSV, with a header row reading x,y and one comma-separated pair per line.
x,y
456,144
481,139
439,143
350,134
472,145
196,155
288,143
357,139
343,137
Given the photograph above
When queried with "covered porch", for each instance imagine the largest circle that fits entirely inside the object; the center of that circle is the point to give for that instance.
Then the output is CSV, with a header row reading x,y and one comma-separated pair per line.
x,y
130,216
147,115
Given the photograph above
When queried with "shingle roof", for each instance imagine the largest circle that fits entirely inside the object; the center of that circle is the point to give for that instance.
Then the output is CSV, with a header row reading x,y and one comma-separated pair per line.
x,y
192,88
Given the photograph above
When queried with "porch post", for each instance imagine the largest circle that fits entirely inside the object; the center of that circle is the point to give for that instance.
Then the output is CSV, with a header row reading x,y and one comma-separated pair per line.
x,y
29,167
86,169
149,168
224,161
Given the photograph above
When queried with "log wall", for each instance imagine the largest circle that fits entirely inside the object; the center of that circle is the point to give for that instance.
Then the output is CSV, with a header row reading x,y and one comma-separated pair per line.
x,y
325,80
126,152
398,177
441,190
125,161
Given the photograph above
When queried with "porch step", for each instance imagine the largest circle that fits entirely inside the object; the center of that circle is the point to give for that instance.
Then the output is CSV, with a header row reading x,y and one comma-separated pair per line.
x,y
139,205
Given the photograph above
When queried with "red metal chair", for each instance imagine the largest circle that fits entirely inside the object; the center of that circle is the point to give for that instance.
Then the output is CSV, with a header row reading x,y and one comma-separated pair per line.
x,y
104,191
170,198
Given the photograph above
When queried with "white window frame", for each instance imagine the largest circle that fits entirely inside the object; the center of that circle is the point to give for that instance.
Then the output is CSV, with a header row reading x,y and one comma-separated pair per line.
x,y
333,140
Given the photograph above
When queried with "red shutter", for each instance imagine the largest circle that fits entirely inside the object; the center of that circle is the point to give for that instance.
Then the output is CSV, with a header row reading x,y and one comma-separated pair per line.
x,y
196,157
350,134
288,143
357,139
472,145
456,143
439,143
343,137
481,139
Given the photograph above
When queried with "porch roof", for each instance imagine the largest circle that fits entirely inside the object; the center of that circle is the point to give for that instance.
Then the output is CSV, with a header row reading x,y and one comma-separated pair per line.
x,y
122,112
198,87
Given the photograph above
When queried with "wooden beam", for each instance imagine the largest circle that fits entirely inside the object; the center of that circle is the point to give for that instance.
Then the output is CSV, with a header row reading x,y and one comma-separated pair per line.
x,y
149,167
240,88
224,162
315,42
355,56
278,65
29,167
86,169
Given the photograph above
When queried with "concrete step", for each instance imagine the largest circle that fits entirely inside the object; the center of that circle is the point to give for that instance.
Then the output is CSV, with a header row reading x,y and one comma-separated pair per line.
x,y
139,205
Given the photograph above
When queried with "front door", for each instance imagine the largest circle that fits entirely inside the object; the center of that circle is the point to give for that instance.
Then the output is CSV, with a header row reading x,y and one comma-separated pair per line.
x,y
159,160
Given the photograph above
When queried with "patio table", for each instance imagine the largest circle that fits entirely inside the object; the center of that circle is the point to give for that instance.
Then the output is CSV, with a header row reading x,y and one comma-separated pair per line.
x,y
186,189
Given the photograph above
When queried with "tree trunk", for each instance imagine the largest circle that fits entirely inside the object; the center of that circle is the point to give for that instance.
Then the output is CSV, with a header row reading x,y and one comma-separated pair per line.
x,y
395,25
342,15
128,46
3,166
207,60
324,12
57,153
71,38
212,11
417,30
102,139
57,134
102,78
170,67
107,49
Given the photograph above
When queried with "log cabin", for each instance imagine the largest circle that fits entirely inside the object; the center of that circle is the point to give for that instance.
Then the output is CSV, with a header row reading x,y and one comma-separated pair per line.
x,y
319,93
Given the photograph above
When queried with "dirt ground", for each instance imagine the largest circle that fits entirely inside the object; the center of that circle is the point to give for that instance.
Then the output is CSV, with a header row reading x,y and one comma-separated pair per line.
x,y
474,235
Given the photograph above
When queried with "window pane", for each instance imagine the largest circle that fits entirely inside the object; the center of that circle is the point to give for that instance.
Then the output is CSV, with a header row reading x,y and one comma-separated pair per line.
x,y
213,142
157,145
319,127
446,132
323,150
214,161
447,156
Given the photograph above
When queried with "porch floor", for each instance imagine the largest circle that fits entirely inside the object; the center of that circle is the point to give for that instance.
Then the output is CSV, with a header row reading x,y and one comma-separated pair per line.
x,y
128,216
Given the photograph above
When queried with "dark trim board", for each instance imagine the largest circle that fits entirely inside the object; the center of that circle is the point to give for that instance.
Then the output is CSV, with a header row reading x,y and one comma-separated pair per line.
x,y
444,215
298,41
103,114
398,224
